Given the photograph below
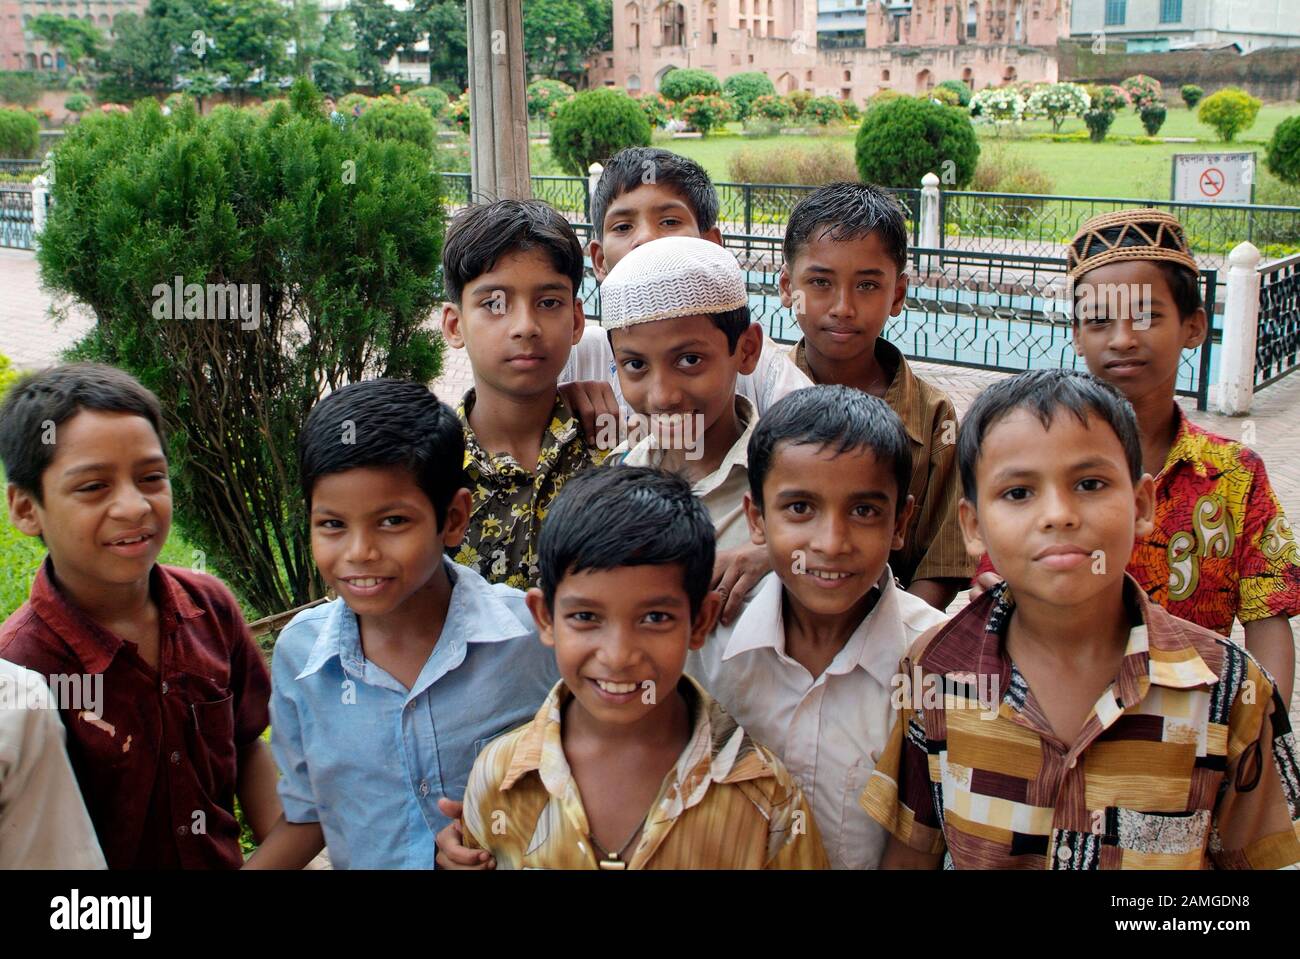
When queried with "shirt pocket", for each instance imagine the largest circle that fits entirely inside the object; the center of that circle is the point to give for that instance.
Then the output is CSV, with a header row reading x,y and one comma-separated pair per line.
x,y
214,755
1164,837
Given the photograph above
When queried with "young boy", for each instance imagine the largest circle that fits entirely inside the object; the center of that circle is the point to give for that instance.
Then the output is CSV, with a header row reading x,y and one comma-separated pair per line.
x,y
384,695
1221,547
177,688
629,764
43,820
644,194
809,667
512,271
844,276
677,314
1124,738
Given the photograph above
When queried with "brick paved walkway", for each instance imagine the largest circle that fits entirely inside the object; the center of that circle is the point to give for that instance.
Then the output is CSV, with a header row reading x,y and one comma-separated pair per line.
x,y
31,339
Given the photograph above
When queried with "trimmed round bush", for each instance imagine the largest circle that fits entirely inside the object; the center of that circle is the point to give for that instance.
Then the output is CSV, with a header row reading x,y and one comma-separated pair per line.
x,y
1229,112
545,97
1098,123
1153,117
434,99
945,96
1108,97
956,86
1143,90
20,134
1283,157
998,105
742,89
1192,95
594,125
1056,101
798,99
823,111
77,103
851,110
394,120
658,111
774,108
902,140
705,113
679,84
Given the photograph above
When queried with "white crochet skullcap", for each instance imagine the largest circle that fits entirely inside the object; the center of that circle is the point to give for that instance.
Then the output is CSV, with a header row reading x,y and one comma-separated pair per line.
x,y
670,277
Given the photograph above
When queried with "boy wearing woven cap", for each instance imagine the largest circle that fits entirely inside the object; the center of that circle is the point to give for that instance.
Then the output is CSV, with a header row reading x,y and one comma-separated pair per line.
x,y
1126,738
844,276
1221,547
677,314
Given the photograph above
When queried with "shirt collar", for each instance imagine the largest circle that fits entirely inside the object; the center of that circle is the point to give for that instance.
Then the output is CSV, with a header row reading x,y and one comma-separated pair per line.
x,y
875,645
1159,651
94,645
718,751
1189,445
647,452
476,613
562,430
903,395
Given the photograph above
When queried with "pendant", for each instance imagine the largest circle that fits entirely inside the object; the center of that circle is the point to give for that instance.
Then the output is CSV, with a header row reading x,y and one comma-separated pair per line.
x,y
613,862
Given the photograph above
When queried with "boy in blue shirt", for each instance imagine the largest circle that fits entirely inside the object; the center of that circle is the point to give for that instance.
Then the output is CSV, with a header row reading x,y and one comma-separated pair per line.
x,y
382,697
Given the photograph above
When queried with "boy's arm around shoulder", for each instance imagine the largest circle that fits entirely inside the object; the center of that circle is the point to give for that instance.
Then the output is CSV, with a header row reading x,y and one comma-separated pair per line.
x,y
792,829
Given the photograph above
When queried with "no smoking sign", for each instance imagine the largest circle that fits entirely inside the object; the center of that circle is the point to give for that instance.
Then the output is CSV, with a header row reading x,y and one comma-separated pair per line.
x,y
1213,177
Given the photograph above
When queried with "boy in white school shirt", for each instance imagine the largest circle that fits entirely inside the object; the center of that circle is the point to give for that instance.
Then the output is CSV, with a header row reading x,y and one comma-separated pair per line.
x,y
809,666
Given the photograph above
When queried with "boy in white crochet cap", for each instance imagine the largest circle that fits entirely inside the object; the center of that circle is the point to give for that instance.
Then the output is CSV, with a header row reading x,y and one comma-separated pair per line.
x,y
676,311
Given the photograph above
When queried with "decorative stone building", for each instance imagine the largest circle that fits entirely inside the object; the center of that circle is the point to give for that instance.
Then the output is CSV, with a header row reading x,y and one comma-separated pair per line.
x,y
21,50
905,46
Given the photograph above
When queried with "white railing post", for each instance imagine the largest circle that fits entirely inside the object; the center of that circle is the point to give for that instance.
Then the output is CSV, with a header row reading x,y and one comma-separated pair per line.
x,y
1236,387
929,212
593,178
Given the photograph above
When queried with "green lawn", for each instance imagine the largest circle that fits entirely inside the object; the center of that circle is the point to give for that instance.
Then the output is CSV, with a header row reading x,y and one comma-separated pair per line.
x,y
1113,168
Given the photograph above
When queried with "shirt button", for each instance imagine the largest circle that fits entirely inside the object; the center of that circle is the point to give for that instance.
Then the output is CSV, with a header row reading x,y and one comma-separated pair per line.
x,y
175,758
164,687
1074,762
1064,854
424,787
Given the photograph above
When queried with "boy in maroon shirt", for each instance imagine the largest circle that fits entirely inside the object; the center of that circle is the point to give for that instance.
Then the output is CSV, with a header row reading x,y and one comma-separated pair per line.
x,y
169,731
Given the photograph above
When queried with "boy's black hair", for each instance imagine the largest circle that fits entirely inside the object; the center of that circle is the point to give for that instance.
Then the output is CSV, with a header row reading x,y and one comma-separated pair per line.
x,y
1044,393
53,396
1184,283
733,324
385,422
638,166
837,416
847,211
480,235
626,516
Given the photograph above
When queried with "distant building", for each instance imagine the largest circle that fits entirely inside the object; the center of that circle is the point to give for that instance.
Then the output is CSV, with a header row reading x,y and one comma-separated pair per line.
x,y
1156,26
849,49
22,50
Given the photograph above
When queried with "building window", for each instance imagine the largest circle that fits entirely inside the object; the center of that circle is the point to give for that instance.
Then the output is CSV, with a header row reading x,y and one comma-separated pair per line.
x,y
972,19
672,18
1171,11
884,76
1116,13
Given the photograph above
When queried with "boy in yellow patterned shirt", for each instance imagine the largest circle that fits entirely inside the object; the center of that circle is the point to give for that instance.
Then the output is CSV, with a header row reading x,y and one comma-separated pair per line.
x,y
629,764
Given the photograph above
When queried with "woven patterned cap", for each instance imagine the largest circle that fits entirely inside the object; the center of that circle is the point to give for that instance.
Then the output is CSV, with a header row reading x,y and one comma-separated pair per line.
x,y
671,277
1137,234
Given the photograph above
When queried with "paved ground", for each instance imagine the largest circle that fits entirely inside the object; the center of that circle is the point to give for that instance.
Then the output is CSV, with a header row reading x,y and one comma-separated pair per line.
x,y
30,338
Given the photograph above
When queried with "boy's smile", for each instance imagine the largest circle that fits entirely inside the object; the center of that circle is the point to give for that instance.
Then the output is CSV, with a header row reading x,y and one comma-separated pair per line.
x,y
518,322
1058,511
1138,354
842,292
647,213
107,499
621,637
375,536
829,522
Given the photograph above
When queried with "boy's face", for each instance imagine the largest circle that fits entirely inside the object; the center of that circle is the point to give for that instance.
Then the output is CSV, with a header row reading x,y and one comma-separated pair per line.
x,y
829,521
649,212
107,499
375,536
518,321
682,367
621,636
842,292
1128,329
1057,510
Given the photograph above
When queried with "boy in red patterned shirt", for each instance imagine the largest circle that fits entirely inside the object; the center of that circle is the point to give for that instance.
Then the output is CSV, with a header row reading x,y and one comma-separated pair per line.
x,y
1221,547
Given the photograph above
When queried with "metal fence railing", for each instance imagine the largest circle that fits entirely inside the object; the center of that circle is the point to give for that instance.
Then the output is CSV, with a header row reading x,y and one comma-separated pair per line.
x,y
1277,342
10,166
16,219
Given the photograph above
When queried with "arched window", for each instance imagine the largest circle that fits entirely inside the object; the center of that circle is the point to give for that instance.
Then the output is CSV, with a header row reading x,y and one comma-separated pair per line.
x,y
968,77
672,19
884,76
46,61
633,16
924,81
1009,75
